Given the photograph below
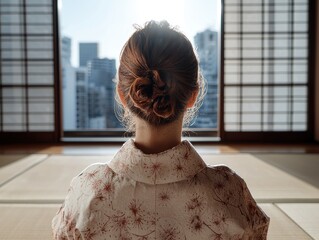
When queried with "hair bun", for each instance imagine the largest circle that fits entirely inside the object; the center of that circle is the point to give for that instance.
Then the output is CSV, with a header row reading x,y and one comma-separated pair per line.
x,y
150,94
140,92
163,106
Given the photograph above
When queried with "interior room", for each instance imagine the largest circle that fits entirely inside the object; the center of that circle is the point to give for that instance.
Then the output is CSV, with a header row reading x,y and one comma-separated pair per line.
x,y
59,114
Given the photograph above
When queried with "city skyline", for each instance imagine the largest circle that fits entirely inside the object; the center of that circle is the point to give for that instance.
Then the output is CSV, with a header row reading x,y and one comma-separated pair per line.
x,y
90,88
111,23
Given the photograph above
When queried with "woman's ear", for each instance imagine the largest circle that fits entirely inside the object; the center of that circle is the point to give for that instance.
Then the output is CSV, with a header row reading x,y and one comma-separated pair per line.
x,y
121,95
192,99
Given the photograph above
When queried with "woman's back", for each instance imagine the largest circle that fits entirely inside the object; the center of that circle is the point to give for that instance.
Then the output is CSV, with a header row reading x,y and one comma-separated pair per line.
x,y
169,195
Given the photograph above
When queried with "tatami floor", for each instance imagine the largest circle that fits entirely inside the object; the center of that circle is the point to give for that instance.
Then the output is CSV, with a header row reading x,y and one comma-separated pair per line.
x,y
284,179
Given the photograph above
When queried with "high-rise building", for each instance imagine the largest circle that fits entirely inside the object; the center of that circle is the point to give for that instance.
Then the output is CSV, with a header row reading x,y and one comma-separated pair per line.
x,y
96,107
88,51
206,43
66,49
68,86
101,73
82,116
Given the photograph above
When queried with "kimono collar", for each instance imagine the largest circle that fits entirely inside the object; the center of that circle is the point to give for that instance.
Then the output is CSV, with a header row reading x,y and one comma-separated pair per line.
x,y
176,164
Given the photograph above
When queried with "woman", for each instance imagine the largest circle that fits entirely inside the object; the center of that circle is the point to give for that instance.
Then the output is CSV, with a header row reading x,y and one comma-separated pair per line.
x,y
157,186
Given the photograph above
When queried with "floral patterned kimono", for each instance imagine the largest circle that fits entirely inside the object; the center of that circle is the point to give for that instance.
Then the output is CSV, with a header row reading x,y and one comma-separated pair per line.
x,y
169,195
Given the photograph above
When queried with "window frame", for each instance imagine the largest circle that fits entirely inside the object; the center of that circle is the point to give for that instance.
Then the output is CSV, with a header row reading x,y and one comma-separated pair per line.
x,y
276,136
36,136
111,135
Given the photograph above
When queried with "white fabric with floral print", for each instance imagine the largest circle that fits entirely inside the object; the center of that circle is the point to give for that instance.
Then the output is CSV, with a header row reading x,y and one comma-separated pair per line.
x,y
170,195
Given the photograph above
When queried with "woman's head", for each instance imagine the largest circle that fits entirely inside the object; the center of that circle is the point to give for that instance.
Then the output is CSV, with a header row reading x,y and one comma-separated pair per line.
x,y
158,74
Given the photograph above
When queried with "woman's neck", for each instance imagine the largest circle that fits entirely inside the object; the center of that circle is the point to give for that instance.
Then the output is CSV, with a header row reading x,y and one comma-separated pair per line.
x,y
150,139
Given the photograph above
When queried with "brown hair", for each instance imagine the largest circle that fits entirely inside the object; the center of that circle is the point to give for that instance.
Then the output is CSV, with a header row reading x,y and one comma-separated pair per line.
x,y
158,73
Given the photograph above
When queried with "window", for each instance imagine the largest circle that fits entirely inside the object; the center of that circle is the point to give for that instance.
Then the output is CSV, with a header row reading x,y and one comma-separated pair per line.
x,y
90,57
266,66
27,102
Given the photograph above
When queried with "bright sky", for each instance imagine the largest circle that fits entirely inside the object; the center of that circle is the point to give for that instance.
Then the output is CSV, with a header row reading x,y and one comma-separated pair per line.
x,y
110,22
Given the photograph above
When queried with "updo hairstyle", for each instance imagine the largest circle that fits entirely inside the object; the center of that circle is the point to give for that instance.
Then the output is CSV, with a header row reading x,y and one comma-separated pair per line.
x,y
158,74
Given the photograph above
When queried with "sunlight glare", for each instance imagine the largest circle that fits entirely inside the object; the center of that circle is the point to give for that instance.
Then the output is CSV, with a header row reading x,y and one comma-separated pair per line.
x,y
170,10
60,5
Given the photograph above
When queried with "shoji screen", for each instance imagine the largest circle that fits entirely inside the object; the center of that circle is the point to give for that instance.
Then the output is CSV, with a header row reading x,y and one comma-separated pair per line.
x,y
265,65
27,79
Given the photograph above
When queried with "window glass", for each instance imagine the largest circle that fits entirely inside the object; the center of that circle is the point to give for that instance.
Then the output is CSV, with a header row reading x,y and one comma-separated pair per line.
x,y
91,42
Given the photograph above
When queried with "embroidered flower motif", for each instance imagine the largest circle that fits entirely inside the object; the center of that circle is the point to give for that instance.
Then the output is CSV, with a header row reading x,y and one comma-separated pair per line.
x,y
218,220
163,196
218,236
195,203
196,223
97,203
140,219
107,188
179,170
155,167
138,222
169,233
120,222
152,170
135,208
178,167
91,175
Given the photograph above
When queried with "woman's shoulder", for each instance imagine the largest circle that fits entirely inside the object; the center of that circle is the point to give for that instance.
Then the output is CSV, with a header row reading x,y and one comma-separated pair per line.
x,y
92,178
95,170
89,191
230,189
221,169
224,177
